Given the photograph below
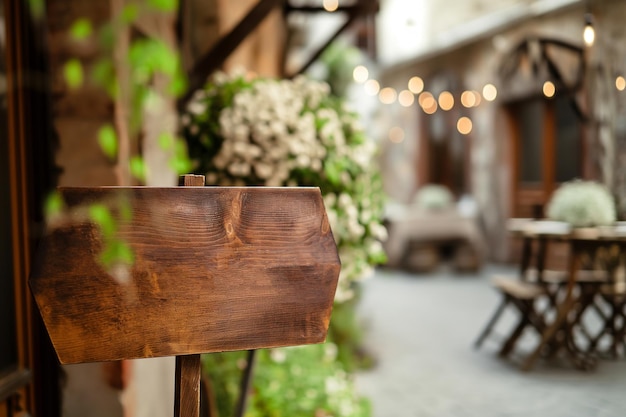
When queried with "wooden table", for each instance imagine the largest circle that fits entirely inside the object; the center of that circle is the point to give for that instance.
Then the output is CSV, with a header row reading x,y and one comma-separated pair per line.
x,y
584,245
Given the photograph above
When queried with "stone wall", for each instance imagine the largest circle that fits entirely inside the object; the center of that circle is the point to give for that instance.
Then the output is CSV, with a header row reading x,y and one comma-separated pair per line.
x,y
473,65
77,114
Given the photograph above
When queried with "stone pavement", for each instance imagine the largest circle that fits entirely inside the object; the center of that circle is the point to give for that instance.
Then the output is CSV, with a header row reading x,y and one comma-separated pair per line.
x,y
421,329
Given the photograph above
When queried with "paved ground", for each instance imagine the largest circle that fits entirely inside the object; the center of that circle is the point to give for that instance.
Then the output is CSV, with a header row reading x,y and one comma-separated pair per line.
x,y
421,329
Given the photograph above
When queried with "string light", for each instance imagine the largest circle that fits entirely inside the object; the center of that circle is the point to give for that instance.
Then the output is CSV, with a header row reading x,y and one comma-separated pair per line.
x,y
427,102
372,87
396,134
468,99
416,85
464,125
490,92
589,33
446,100
387,95
360,74
549,89
406,98
620,83
331,5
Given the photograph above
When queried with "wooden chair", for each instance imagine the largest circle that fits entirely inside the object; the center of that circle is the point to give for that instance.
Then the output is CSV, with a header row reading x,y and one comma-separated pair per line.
x,y
523,297
215,269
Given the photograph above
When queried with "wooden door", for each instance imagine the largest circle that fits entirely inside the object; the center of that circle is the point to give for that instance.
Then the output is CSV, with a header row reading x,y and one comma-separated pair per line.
x,y
547,150
28,370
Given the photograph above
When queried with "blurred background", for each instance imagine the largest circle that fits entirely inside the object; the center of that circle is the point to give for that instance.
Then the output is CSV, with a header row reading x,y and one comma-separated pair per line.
x,y
468,113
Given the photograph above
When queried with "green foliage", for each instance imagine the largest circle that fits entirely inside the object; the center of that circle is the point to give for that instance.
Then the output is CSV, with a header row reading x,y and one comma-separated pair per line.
x,y
293,132
101,215
340,60
130,13
37,8
115,251
180,162
163,5
73,73
81,29
54,204
138,168
107,139
346,333
303,381
147,58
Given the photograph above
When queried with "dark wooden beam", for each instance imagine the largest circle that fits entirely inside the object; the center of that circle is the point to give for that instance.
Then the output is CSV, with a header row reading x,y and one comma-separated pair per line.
x,y
360,9
226,45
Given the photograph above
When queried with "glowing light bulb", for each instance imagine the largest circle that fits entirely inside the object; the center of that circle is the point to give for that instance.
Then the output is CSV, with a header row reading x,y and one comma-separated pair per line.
x,y
490,92
468,99
549,89
331,5
406,98
589,33
416,85
396,134
620,83
446,100
427,102
372,87
360,74
464,125
387,95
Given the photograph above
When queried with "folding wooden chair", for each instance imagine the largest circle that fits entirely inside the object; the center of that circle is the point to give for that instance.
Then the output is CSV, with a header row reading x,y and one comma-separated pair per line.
x,y
521,295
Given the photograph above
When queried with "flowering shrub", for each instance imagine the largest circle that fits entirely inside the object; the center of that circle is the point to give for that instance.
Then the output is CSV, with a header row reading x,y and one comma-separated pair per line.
x,y
289,133
300,381
582,204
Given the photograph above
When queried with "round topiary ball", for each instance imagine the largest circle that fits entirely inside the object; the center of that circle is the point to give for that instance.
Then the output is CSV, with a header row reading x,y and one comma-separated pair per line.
x,y
582,204
434,197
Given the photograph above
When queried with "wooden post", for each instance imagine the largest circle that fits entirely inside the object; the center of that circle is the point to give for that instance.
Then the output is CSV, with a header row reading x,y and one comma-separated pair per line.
x,y
188,367
187,391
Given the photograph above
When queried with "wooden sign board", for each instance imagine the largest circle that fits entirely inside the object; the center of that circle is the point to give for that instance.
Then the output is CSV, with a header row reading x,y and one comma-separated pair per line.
x,y
215,269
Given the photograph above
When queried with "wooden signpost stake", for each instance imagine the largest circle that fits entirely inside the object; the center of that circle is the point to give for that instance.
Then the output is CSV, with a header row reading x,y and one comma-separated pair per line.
x,y
213,269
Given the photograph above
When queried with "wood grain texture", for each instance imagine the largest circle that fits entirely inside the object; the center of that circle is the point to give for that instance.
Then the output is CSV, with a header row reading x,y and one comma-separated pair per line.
x,y
187,387
191,180
216,269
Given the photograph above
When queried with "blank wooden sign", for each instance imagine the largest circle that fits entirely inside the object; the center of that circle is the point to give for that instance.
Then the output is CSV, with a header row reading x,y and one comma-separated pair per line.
x,y
215,269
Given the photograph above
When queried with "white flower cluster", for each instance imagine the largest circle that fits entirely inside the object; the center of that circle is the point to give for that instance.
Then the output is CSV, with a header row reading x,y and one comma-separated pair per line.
x,y
287,132
434,197
582,204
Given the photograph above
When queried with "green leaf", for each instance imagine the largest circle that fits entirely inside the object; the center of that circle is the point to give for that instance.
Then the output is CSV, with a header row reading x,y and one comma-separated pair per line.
x,y
101,215
130,13
107,35
117,251
73,73
37,8
81,29
138,168
164,5
126,211
54,204
107,139
178,85
180,162
166,141
103,74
